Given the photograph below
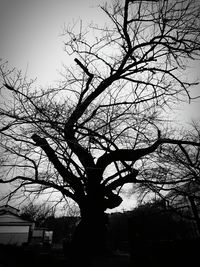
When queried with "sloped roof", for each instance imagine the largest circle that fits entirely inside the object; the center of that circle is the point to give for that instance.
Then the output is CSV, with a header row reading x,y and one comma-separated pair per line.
x,y
8,208
10,216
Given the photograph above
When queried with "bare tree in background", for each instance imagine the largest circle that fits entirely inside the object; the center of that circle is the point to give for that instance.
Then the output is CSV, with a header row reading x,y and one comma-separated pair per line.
x,y
175,176
37,212
88,137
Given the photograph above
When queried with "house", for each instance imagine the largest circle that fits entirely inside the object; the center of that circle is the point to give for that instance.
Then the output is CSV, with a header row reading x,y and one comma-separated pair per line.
x,y
13,229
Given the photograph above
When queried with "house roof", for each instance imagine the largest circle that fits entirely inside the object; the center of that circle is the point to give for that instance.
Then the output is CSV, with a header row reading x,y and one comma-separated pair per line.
x,y
8,208
10,216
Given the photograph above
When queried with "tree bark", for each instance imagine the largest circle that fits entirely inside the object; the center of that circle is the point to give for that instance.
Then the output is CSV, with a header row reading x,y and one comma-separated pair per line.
x,y
89,240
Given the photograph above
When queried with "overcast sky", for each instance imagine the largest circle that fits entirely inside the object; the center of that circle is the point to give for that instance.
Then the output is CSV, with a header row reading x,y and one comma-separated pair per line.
x,y
30,37
30,33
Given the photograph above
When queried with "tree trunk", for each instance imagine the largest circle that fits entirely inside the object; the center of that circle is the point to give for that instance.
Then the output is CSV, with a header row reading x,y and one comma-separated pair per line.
x,y
195,213
89,240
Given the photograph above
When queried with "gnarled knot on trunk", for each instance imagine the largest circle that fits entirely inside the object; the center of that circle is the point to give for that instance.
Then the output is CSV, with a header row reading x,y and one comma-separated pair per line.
x,y
112,200
38,140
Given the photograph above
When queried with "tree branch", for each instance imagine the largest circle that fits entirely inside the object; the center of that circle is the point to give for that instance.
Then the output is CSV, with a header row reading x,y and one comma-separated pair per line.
x,y
129,178
134,155
125,155
66,175
85,69
41,182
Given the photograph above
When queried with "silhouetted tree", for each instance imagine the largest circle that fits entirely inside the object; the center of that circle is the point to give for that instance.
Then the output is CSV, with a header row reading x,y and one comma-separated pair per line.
x,y
182,168
37,213
157,233
153,221
175,176
86,138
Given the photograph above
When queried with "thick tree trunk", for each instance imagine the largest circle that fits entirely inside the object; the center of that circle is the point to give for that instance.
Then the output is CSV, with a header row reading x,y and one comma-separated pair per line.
x,y
89,240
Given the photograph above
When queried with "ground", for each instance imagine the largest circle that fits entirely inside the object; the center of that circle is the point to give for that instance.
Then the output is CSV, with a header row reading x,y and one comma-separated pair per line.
x,y
12,256
151,254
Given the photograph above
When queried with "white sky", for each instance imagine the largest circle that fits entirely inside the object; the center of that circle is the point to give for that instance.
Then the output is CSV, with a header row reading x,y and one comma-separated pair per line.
x,y
30,33
30,37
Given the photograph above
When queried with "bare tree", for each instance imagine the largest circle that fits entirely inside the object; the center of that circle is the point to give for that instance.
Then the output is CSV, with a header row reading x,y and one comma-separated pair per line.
x,y
176,176
87,137
37,212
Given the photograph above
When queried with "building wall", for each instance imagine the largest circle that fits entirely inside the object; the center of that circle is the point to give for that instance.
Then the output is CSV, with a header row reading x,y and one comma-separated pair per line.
x,y
13,229
15,235
4,218
13,238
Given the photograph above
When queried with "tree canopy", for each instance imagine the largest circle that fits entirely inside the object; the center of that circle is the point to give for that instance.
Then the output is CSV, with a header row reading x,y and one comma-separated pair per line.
x,y
88,136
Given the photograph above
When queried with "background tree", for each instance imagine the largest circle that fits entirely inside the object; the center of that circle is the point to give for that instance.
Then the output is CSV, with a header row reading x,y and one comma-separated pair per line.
x,y
156,231
174,177
89,136
38,213
153,221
